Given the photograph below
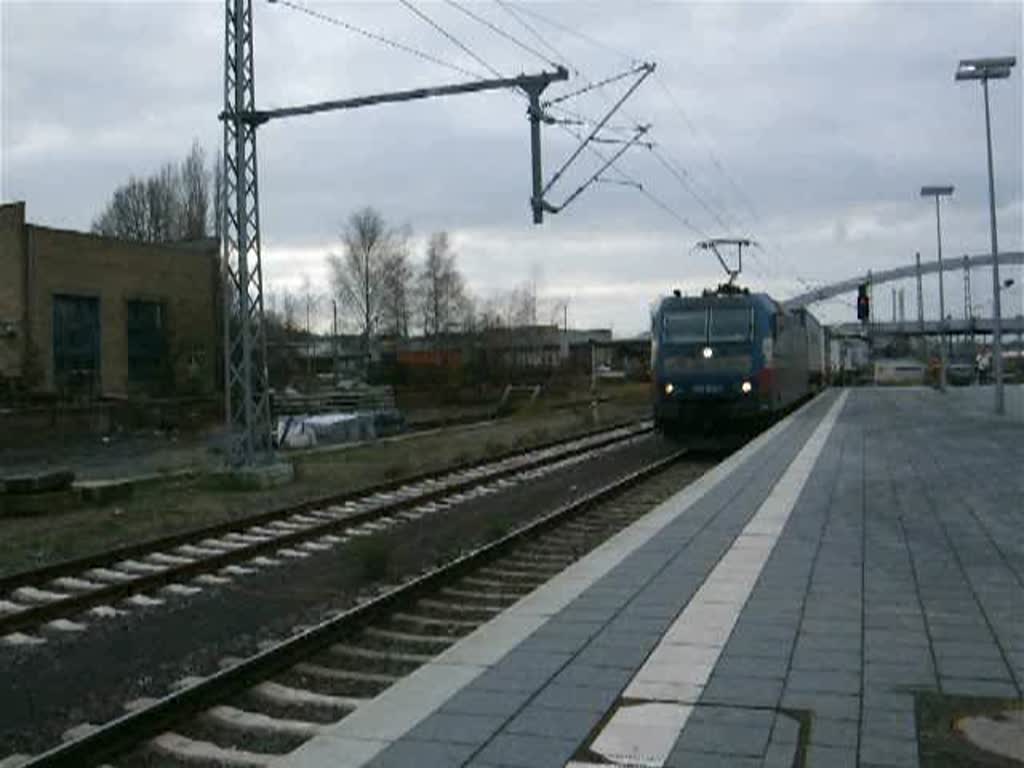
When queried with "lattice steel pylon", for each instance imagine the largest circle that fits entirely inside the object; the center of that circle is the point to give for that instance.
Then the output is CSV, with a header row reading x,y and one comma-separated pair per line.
x,y
247,399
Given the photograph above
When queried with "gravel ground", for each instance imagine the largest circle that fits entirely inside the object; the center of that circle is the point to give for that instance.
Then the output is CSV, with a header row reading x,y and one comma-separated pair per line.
x,y
86,676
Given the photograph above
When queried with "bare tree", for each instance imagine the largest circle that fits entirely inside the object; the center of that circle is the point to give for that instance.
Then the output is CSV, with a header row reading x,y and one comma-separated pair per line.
x,y
310,303
171,204
358,275
396,289
195,194
441,288
163,200
126,215
283,305
217,203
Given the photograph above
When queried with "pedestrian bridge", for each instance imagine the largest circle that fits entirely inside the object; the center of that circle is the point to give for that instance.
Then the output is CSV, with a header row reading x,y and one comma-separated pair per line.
x,y
961,326
832,290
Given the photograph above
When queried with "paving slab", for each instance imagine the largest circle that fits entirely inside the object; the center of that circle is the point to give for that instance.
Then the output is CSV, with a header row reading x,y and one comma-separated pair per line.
x,y
797,606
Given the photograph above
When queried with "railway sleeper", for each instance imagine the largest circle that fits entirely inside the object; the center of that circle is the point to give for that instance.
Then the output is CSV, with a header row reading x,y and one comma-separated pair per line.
x,y
377,660
501,600
396,637
506,575
227,729
458,608
285,695
543,562
493,585
335,673
337,681
419,620
174,749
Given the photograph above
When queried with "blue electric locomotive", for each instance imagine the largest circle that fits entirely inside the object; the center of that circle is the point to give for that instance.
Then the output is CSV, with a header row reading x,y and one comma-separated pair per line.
x,y
730,356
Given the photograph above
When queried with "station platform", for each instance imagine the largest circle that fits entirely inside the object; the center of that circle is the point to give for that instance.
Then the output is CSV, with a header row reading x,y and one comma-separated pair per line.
x,y
832,595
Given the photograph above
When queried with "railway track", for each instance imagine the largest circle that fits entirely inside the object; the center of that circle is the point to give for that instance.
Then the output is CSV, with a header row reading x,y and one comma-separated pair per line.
x,y
256,709
69,596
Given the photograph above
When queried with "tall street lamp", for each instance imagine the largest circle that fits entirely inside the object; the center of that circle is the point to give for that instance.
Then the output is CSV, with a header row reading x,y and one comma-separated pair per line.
x,y
938,192
985,70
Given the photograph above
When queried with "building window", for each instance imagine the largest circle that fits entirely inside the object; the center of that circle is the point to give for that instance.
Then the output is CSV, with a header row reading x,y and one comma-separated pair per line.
x,y
146,333
76,345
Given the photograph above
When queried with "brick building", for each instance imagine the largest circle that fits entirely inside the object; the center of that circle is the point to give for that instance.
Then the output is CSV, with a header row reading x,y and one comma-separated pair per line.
x,y
85,316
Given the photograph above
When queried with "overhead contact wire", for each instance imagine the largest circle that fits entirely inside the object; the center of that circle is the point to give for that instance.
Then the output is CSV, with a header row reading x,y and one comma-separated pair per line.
x,y
375,37
501,32
450,37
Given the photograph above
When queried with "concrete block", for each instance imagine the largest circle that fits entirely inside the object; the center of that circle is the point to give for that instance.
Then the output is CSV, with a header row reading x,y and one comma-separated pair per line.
x,y
103,492
257,478
38,504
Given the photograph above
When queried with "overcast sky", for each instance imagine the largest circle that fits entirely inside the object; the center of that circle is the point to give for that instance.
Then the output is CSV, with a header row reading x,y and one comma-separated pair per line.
x,y
809,127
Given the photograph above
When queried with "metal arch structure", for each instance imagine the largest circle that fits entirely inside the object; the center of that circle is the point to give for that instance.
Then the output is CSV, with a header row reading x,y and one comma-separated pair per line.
x,y
246,382
899,273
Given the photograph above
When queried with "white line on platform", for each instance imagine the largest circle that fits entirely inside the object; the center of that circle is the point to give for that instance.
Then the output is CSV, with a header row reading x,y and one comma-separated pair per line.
x,y
674,675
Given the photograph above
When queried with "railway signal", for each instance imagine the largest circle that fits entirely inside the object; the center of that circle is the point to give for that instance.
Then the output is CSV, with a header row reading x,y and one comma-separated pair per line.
x,y
863,303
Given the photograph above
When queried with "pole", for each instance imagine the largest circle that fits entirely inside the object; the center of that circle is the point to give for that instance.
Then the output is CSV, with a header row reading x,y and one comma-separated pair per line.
x,y
942,299
537,192
997,329
894,305
920,294
871,314
334,342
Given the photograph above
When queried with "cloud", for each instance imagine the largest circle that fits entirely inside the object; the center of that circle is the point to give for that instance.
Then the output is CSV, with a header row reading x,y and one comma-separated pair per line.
x,y
809,126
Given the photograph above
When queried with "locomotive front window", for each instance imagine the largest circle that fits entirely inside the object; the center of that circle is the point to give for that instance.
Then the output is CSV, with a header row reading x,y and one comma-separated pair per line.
x,y
730,324
688,326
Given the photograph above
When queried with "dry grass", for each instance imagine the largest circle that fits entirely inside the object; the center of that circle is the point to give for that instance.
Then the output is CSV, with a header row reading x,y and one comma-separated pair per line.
x,y
174,506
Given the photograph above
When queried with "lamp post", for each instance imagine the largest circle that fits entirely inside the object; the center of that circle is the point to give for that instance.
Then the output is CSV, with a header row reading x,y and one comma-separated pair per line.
x,y
938,192
988,69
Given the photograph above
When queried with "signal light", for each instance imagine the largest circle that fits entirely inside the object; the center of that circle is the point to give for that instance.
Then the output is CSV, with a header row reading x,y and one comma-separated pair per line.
x,y
863,303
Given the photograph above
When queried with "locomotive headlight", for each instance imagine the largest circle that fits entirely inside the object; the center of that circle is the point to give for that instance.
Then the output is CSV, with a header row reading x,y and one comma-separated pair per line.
x,y
707,352
745,387
669,388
